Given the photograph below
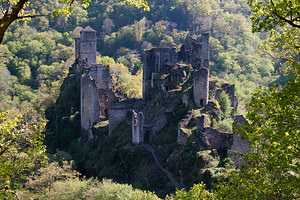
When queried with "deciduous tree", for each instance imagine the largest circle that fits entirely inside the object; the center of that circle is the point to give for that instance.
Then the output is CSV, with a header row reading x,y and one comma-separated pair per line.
x,y
21,150
271,170
12,10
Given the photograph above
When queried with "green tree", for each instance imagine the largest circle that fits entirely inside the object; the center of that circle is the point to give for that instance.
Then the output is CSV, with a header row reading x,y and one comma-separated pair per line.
x,y
272,167
196,192
269,14
75,188
284,41
42,181
225,104
18,9
21,150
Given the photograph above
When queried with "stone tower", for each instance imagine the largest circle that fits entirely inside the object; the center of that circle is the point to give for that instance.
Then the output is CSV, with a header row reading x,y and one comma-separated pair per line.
x,y
95,88
205,50
89,106
201,86
85,47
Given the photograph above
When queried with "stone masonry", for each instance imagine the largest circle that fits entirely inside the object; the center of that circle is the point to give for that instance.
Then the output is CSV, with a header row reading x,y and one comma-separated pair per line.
x,y
164,68
96,89
201,86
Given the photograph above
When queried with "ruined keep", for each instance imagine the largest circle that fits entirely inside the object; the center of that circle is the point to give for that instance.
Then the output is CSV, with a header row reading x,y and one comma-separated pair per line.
x,y
158,60
96,90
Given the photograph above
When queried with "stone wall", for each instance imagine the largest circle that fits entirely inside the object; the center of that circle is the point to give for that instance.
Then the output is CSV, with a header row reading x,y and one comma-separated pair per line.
x,y
201,86
214,139
87,49
89,104
205,50
96,85
155,61
118,113
181,134
137,128
195,52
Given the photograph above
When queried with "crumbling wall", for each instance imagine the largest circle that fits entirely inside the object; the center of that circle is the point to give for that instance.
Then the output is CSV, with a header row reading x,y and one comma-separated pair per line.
x,y
155,61
137,128
205,50
217,140
102,76
201,86
77,48
195,52
118,113
239,145
89,104
181,132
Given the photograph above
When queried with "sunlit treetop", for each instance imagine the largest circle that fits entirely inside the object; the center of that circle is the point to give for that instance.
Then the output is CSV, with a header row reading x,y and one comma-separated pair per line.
x,y
12,10
267,14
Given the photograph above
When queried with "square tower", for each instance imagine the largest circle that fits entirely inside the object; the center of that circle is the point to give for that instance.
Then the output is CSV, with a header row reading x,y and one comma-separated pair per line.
x,y
87,45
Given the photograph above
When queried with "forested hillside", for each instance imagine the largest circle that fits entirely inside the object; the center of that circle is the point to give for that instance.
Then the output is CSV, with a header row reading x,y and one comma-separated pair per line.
x,y
37,54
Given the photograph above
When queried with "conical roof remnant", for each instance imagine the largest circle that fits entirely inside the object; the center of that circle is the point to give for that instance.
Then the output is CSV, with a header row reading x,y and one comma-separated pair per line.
x,y
88,29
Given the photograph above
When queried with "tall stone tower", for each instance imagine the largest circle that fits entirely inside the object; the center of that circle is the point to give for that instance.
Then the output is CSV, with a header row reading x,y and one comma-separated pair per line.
x,y
86,46
205,49
201,86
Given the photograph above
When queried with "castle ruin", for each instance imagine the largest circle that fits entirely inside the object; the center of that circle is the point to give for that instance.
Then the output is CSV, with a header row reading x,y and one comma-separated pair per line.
x,y
166,71
96,90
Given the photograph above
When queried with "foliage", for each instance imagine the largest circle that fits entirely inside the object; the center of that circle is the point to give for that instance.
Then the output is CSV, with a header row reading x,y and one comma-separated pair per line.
x,y
76,188
224,125
225,104
283,42
284,45
131,85
64,116
35,58
18,9
269,14
271,169
33,67
21,150
42,181
196,192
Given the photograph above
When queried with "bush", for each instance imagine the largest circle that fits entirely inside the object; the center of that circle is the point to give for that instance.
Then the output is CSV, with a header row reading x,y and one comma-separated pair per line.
x,y
77,188
225,104
224,125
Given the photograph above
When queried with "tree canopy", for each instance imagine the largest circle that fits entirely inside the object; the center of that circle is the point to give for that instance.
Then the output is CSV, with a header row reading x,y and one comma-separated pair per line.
x,y
271,170
268,14
21,150
11,11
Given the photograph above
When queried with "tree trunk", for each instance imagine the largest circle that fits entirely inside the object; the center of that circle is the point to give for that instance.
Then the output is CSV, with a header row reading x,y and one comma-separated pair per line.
x,y
9,16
